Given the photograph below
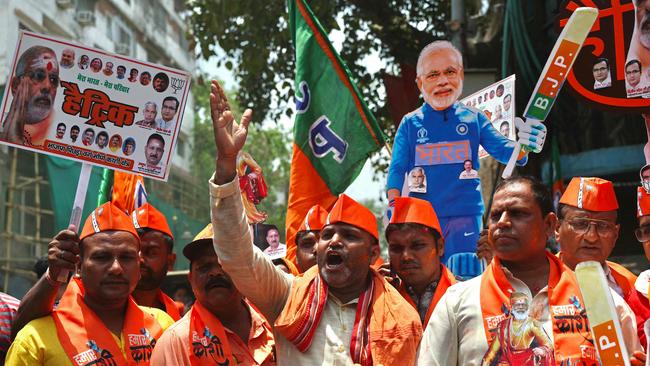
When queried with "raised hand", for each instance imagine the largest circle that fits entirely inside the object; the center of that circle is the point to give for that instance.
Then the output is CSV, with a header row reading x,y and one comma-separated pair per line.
x,y
15,121
229,136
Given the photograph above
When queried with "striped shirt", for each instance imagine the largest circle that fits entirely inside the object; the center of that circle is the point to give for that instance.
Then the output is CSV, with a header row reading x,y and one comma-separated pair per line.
x,y
8,307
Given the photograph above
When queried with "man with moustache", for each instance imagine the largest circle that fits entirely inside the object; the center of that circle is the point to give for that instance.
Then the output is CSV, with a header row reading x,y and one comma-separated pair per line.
x,y
221,319
154,150
84,60
150,111
307,236
74,133
602,76
145,78
415,245
88,137
167,113
440,136
97,319
108,69
102,139
67,58
156,258
465,322
338,312
33,88
60,130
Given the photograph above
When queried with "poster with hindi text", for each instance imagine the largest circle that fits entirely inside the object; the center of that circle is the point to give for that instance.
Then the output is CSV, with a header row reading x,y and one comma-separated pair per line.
x,y
497,102
89,105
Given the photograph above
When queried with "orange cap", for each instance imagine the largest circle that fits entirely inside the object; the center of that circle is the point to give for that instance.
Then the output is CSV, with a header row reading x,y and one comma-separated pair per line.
x,y
146,216
592,194
107,217
315,219
203,238
351,212
416,211
642,202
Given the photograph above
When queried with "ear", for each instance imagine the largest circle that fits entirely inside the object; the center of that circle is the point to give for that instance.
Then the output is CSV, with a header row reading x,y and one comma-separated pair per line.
x,y
171,260
418,81
374,252
552,227
461,74
441,247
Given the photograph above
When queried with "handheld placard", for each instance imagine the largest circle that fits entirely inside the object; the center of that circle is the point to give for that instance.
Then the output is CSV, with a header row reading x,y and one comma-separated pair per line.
x,y
556,71
603,319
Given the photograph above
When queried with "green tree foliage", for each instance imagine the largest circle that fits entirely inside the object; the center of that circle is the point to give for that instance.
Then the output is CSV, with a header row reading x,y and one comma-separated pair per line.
x,y
268,146
257,44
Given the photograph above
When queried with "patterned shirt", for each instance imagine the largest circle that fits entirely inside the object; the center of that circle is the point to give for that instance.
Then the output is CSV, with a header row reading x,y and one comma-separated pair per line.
x,y
8,308
422,302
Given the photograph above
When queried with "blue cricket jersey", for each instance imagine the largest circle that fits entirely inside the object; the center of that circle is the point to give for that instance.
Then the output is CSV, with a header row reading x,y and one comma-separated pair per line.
x,y
440,142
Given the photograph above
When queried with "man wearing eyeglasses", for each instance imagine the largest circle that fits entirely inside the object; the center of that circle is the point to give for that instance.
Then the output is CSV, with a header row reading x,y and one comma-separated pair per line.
x,y
602,78
639,295
33,88
438,137
588,229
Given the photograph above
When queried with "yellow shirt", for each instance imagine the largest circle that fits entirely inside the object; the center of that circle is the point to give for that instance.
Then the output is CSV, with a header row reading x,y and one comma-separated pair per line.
x,y
38,344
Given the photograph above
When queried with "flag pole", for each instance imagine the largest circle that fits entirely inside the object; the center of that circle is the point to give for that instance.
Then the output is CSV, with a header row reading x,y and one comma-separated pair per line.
x,y
77,208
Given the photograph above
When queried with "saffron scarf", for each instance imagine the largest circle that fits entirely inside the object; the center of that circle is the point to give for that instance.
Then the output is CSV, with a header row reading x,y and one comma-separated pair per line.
x,y
387,330
208,340
171,306
572,338
87,341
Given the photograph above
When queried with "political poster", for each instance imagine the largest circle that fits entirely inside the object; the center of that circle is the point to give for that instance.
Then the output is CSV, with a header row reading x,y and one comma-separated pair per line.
x,y
497,102
89,105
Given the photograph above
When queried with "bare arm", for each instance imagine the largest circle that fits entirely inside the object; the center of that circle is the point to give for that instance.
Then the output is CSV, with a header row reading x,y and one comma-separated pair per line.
x,y
253,274
62,254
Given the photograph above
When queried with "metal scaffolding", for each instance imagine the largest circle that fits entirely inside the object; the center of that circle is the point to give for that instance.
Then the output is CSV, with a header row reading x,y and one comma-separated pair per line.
x,y
27,219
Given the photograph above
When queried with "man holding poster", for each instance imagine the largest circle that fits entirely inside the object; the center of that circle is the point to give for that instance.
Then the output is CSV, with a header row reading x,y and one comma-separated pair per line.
x,y
33,88
439,137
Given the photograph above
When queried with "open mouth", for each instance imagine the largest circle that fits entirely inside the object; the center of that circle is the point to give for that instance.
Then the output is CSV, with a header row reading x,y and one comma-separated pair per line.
x,y
333,259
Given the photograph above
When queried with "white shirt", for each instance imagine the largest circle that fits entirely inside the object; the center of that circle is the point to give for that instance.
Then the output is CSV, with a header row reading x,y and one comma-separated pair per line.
x,y
603,84
164,125
268,287
642,281
455,333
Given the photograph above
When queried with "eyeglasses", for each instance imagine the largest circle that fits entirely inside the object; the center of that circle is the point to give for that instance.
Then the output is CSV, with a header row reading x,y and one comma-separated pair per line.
x,y
581,226
642,233
632,72
600,69
450,73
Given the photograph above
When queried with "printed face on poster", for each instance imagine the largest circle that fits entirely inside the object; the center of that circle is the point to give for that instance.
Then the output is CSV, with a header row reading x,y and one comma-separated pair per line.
x,y
497,102
92,106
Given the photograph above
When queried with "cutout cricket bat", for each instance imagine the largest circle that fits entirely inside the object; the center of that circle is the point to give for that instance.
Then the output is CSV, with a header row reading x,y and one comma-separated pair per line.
x,y
556,71
603,319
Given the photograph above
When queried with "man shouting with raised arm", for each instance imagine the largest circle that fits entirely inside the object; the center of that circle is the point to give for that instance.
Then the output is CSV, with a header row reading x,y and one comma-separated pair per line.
x,y
338,312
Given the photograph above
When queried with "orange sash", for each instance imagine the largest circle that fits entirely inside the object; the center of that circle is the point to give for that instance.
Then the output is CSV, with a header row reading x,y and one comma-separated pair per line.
x,y
623,277
571,333
446,279
171,306
394,328
87,341
208,340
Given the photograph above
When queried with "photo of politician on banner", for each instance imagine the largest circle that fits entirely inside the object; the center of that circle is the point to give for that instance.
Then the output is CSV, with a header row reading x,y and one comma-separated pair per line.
x,y
77,102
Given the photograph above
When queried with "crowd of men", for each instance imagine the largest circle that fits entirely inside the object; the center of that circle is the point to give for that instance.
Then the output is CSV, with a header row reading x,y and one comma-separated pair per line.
x,y
338,305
